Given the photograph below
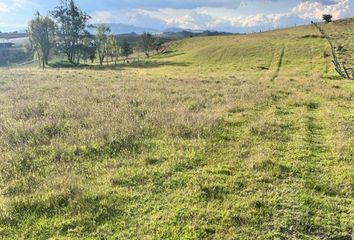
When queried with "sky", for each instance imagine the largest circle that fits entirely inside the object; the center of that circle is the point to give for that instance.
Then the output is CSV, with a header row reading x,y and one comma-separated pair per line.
x,y
221,15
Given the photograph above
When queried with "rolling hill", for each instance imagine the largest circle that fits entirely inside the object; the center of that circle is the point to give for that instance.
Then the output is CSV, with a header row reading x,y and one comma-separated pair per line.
x,y
226,137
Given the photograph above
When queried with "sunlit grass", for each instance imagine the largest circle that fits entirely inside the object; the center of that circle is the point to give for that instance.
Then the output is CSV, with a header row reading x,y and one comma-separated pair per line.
x,y
218,139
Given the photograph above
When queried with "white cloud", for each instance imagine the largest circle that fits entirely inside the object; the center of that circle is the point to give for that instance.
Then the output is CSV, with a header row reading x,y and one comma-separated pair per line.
x,y
18,3
4,7
192,20
227,15
228,19
102,17
137,17
12,5
207,19
315,10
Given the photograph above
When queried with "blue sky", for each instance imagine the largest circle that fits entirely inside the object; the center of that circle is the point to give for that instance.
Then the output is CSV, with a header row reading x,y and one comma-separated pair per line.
x,y
226,15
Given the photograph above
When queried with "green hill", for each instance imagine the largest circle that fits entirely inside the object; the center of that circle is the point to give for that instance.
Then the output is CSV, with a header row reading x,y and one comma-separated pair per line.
x,y
227,137
303,46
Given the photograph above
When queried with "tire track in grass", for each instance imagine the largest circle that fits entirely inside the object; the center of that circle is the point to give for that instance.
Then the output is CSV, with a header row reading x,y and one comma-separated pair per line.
x,y
318,207
318,155
292,185
279,65
259,180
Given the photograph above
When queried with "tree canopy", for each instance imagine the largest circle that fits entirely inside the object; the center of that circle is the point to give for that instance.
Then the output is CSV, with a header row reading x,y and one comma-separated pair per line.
x,y
126,49
147,43
41,31
327,18
101,41
72,25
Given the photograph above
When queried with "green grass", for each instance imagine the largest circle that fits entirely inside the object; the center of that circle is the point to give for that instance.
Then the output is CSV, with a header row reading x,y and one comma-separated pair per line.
x,y
236,137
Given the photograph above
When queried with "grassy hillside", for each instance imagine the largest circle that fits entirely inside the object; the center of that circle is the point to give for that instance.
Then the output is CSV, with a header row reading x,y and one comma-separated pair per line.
x,y
236,137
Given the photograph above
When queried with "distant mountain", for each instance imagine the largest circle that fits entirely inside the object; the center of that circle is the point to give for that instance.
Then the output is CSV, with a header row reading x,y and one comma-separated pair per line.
x,y
119,28
130,30
173,30
191,33
178,30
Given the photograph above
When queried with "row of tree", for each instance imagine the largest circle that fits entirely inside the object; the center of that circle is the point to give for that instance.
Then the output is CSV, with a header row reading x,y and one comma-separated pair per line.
x,y
66,31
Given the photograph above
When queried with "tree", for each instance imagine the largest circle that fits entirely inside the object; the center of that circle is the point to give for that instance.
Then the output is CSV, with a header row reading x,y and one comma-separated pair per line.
x,y
41,32
88,49
72,24
343,69
147,43
158,43
112,48
327,18
126,50
101,42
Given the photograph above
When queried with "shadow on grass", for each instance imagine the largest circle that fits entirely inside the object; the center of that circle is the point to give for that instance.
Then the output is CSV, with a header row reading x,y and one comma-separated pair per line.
x,y
153,64
170,53
332,77
65,64
146,64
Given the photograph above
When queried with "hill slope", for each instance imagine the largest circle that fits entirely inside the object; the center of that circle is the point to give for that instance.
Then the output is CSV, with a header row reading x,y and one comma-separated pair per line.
x,y
235,137
303,46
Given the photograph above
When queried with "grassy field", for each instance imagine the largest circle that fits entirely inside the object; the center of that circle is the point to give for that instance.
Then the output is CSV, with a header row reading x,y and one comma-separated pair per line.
x,y
235,137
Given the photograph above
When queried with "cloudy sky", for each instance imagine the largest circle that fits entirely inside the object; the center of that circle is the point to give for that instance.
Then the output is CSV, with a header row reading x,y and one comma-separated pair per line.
x,y
225,15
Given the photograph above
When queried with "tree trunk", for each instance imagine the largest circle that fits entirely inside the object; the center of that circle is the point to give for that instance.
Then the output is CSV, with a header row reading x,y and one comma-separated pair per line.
x,y
39,62
43,62
341,71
